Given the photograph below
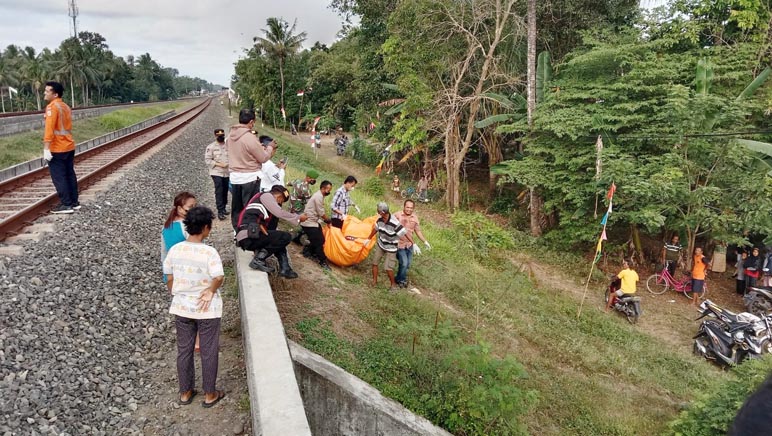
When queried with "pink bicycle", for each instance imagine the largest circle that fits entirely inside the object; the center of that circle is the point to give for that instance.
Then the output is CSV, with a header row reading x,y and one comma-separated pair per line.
x,y
660,282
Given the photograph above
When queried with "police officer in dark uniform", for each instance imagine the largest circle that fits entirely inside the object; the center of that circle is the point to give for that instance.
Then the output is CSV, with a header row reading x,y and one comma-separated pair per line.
x,y
253,232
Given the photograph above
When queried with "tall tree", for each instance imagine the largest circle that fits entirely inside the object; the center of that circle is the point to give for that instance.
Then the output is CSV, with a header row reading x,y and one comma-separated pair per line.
x,y
280,42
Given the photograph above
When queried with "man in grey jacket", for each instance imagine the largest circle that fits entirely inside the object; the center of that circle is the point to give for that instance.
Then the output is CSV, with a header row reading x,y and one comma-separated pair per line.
x,y
245,158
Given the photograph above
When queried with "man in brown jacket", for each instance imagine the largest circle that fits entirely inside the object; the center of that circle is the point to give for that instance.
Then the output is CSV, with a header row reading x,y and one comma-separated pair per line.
x,y
245,158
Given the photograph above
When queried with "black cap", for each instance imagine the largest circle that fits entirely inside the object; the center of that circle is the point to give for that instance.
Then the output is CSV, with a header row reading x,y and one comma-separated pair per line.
x,y
219,131
265,140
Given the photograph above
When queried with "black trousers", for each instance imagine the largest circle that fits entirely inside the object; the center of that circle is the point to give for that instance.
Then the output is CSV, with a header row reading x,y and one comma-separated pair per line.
x,y
337,222
274,242
241,196
316,238
208,331
62,169
220,193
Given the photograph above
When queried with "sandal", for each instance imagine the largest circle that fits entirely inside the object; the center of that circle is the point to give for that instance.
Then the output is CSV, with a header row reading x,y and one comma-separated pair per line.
x,y
189,400
220,396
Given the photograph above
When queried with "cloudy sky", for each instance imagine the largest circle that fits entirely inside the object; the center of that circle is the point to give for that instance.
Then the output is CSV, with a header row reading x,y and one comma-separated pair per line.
x,y
199,38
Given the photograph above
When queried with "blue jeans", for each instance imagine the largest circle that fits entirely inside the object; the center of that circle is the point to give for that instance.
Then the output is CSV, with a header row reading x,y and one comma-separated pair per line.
x,y
405,258
62,170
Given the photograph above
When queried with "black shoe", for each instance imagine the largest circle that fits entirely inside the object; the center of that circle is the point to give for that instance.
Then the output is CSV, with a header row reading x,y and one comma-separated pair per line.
x,y
325,266
62,209
258,262
76,206
308,254
284,265
297,240
221,216
402,284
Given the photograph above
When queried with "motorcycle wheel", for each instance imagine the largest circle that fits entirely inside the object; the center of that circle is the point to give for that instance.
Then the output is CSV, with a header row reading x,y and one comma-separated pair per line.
x,y
632,318
606,296
656,284
760,306
766,347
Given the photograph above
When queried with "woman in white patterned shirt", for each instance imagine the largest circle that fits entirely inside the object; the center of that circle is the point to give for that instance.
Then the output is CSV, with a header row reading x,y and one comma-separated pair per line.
x,y
194,275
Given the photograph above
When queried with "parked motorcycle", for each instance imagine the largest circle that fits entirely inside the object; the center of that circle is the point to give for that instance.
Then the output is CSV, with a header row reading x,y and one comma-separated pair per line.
x,y
729,338
758,300
630,306
340,146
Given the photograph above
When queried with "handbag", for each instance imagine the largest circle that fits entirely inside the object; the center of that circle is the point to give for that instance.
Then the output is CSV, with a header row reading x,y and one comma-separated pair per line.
x,y
753,273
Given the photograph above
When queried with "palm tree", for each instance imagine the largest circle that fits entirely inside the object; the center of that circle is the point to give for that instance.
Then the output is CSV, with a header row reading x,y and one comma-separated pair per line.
x,y
280,42
33,71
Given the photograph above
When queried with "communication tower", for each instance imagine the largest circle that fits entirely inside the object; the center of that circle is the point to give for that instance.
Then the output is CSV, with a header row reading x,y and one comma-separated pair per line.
x,y
73,13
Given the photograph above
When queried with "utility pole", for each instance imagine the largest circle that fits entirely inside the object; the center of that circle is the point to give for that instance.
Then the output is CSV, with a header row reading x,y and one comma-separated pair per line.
x,y
73,13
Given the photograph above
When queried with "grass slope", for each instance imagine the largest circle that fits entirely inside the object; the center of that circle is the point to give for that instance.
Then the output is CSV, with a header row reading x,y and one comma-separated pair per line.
x,y
593,375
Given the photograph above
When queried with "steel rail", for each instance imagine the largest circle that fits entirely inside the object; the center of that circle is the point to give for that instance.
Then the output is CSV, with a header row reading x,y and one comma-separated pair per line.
x,y
11,224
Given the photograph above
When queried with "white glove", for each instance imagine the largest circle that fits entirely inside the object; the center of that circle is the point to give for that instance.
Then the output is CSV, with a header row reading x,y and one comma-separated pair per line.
x,y
416,250
357,208
47,155
428,246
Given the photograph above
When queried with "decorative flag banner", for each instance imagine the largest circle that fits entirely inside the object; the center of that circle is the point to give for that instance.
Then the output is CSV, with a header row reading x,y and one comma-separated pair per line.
x,y
599,246
379,168
316,120
12,90
283,114
300,93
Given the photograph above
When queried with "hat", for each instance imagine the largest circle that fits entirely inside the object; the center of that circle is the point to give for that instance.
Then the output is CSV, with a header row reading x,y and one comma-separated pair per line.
x,y
312,174
219,131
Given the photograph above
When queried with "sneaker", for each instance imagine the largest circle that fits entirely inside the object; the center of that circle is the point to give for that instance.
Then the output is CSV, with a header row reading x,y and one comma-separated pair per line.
x,y
76,206
402,284
62,209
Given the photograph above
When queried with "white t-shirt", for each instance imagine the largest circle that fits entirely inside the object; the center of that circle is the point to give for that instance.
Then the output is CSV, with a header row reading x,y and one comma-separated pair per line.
x,y
193,265
270,175
243,178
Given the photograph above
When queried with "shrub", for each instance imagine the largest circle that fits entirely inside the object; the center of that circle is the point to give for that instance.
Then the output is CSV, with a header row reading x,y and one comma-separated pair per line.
x,y
364,152
714,411
374,187
482,233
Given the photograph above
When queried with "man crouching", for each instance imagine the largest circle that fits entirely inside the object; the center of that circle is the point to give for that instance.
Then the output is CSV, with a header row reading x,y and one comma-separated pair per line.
x,y
253,234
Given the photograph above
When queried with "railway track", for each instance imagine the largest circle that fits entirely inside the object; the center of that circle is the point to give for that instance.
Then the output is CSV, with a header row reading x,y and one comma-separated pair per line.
x,y
26,197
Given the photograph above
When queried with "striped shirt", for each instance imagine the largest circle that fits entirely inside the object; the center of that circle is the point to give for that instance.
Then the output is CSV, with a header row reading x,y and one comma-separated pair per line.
x,y
341,201
389,233
672,251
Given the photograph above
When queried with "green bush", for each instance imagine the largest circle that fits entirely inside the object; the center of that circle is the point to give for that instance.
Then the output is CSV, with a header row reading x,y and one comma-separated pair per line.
x,y
374,187
713,413
364,152
481,233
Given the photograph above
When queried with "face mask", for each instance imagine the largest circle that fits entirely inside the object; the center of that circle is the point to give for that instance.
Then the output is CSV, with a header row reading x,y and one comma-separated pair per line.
x,y
325,193
220,138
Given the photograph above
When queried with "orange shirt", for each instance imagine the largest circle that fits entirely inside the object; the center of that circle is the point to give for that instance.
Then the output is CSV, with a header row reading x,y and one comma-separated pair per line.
x,y
699,267
59,127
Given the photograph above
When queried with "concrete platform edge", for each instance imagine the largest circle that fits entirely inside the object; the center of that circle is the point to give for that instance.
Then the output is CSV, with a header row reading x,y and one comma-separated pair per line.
x,y
277,408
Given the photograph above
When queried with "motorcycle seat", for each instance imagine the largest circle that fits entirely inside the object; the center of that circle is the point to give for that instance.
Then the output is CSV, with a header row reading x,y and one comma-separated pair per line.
x,y
630,298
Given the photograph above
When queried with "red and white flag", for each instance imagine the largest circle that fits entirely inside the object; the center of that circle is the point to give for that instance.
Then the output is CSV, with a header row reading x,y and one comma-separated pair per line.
x,y
300,93
316,120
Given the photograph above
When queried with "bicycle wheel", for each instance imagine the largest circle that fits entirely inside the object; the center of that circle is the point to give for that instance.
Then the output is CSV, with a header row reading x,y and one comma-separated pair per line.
x,y
690,295
656,284
404,193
